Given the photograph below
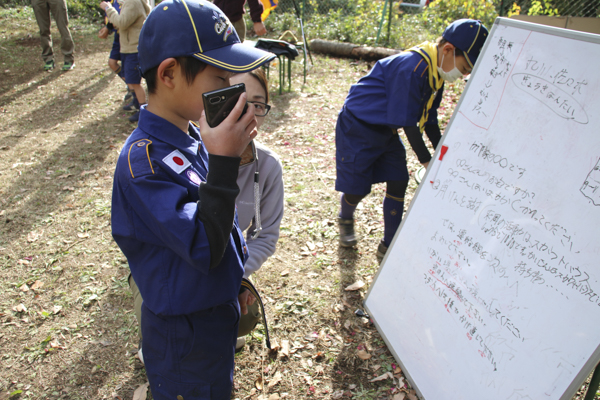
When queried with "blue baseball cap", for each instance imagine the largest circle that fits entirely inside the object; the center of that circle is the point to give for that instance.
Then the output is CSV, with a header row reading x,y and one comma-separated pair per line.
x,y
197,28
467,35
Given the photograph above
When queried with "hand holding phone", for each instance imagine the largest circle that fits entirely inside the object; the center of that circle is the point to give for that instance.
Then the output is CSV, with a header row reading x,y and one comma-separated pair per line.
x,y
219,103
232,135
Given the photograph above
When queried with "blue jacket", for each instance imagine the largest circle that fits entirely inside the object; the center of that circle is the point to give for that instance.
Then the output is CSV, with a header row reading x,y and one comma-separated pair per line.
x,y
183,245
394,92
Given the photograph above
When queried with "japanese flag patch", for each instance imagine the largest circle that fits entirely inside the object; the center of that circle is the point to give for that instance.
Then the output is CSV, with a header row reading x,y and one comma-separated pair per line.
x,y
177,161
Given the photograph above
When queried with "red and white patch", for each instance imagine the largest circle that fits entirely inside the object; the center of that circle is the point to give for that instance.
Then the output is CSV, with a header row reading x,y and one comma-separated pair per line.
x,y
177,161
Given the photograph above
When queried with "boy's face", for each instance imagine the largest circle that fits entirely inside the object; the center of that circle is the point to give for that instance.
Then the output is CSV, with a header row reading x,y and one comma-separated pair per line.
x,y
449,59
189,97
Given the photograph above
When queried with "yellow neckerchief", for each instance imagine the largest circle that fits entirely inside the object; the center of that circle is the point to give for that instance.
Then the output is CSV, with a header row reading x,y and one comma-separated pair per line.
x,y
429,52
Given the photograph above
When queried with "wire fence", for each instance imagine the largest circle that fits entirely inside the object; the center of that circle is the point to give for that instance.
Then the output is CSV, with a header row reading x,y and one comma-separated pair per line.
x,y
572,8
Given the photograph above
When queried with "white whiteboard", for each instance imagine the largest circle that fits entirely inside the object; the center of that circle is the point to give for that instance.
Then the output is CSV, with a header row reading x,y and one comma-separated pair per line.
x,y
490,289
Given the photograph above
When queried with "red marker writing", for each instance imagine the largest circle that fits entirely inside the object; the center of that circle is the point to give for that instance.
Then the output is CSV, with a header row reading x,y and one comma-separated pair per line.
x,y
443,151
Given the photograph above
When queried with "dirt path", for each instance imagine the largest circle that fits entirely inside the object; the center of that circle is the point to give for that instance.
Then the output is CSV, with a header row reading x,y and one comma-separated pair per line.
x,y
68,330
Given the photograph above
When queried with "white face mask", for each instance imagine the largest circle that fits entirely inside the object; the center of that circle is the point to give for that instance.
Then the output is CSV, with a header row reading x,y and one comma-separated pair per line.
x,y
451,76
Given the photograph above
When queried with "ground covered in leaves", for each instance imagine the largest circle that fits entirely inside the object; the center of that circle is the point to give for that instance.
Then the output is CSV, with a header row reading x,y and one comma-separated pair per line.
x,y
67,326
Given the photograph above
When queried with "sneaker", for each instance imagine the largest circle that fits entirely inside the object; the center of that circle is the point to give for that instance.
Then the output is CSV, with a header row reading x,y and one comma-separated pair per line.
x,y
135,117
381,250
141,355
67,66
49,65
347,235
239,345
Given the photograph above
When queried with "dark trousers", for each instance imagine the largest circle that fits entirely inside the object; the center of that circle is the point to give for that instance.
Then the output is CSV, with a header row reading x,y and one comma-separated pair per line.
x,y
191,356
58,9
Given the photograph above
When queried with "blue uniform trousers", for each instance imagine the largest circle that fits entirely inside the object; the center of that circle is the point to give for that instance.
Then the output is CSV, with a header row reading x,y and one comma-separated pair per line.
x,y
191,356
115,51
366,154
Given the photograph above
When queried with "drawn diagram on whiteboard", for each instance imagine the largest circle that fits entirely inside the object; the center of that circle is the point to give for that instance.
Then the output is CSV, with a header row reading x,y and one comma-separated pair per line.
x,y
591,186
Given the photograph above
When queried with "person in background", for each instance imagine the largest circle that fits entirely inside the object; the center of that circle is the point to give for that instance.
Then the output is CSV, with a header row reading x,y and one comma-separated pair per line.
x,y
259,213
129,20
234,9
115,52
58,8
400,91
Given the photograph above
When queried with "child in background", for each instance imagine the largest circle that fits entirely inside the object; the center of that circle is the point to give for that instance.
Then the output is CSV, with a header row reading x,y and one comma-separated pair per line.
x,y
115,52
401,91
173,219
129,20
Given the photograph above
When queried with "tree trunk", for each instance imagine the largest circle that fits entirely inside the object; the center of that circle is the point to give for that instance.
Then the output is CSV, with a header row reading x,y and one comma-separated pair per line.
x,y
350,50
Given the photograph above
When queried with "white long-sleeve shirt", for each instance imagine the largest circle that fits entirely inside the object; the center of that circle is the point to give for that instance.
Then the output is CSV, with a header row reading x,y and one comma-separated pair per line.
x,y
271,205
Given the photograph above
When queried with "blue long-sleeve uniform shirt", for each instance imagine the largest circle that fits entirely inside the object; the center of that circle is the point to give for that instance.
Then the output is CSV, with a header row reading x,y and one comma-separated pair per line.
x,y
164,229
394,93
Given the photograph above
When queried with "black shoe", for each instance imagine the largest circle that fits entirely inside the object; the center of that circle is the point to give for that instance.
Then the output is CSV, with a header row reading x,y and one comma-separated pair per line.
x,y
132,106
135,117
128,95
347,235
381,250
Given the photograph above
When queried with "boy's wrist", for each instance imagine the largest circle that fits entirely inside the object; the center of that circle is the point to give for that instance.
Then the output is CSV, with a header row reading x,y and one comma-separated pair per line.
x,y
223,170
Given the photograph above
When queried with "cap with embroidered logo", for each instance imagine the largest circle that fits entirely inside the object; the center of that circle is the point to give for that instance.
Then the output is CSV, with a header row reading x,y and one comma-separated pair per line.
x,y
467,35
197,28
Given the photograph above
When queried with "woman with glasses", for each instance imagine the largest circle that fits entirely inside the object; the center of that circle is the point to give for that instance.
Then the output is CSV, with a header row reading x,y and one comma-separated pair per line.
x,y
260,202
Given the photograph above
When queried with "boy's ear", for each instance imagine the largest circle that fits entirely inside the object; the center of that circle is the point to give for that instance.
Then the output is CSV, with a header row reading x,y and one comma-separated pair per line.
x,y
166,72
448,48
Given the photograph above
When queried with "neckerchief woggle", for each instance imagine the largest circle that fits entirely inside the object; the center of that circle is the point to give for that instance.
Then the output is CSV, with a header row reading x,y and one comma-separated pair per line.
x,y
429,52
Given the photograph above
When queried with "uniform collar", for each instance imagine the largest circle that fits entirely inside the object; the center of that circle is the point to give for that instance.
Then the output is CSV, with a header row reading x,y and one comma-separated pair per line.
x,y
166,132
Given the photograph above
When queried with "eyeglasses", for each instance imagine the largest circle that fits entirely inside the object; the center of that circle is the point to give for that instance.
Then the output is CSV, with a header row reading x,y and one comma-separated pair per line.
x,y
260,109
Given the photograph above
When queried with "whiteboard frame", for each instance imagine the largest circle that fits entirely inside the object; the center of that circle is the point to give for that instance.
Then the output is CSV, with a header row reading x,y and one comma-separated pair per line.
x,y
550,30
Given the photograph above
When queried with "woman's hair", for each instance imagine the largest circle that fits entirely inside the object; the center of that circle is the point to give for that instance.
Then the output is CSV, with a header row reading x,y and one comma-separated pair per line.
x,y
191,67
441,41
261,77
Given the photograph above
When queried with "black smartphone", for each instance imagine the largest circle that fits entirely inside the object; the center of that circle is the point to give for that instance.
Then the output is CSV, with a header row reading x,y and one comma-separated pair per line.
x,y
219,103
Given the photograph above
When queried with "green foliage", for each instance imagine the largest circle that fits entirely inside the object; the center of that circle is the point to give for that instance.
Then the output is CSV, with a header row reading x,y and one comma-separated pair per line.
x,y
542,7
515,10
360,21
443,12
87,9
353,22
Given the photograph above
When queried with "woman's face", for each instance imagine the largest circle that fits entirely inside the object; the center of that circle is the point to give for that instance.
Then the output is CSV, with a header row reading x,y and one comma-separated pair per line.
x,y
254,90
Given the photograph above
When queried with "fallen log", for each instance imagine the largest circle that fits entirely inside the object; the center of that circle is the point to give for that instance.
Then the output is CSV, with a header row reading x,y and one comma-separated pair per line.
x,y
349,50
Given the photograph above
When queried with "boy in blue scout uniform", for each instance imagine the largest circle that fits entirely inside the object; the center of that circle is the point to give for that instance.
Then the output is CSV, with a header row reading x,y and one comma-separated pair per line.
x,y
115,52
173,207
401,91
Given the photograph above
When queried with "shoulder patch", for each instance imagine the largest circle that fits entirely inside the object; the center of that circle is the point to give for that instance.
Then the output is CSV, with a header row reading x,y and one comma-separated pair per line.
x,y
421,67
139,158
177,161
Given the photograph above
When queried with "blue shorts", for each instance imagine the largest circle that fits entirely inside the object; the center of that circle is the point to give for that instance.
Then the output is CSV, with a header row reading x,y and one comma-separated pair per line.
x,y
191,355
130,64
366,154
115,52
